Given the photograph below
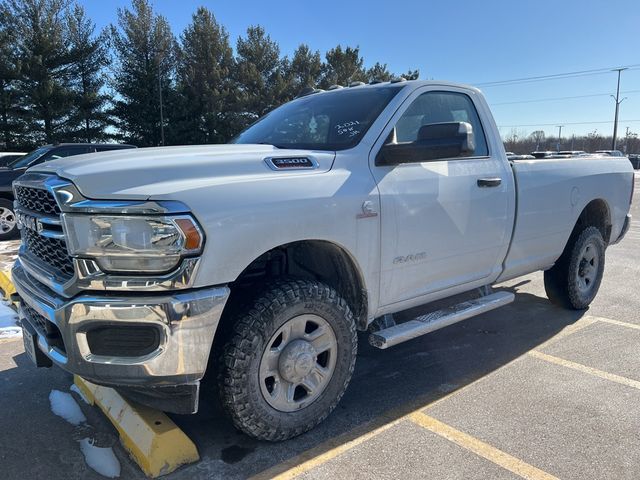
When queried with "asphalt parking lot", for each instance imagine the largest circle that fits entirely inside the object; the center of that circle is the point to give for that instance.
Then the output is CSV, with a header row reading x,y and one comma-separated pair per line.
x,y
529,390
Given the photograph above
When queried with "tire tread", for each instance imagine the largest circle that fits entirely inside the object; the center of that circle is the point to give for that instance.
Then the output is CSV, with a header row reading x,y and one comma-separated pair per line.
x,y
248,335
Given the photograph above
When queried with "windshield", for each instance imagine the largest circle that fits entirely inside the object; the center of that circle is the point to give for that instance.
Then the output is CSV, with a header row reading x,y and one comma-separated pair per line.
x,y
333,120
27,159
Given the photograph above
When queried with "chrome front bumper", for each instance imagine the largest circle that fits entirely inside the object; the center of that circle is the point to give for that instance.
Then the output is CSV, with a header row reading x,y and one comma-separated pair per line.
x,y
187,321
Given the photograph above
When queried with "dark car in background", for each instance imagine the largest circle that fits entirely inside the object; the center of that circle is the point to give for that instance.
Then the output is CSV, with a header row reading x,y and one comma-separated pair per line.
x,y
8,157
17,167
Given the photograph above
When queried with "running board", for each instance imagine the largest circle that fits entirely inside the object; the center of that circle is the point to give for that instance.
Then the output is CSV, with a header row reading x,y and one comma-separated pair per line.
x,y
439,319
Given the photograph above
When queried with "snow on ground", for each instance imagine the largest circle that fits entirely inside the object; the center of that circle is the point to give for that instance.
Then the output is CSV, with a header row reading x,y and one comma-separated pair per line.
x,y
63,405
8,318
102,460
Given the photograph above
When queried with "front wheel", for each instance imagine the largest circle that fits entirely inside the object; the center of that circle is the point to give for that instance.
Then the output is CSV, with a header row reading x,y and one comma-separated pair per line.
x,y
288,360
574,280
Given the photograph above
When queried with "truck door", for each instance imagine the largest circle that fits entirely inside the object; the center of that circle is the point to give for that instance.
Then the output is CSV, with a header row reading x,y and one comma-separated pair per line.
x,y
445,222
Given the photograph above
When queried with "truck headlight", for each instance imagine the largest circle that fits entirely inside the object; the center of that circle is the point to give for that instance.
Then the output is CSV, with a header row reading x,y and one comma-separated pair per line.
x,y
133,244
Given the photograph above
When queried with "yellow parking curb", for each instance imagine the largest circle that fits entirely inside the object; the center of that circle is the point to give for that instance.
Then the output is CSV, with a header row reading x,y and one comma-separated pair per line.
x,y
6,285
156,444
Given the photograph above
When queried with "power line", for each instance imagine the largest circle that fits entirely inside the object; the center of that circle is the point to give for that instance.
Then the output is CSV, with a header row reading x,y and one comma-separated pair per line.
x,y
552,99
540,78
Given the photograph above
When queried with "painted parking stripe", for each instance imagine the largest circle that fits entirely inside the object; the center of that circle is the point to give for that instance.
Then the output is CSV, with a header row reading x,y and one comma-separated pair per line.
x,y
618,322
480,448
583,368
319,455
570,330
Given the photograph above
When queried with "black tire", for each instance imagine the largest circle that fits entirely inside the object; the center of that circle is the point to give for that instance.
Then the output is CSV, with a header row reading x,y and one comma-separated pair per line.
x,y
239,374
566,283
6,206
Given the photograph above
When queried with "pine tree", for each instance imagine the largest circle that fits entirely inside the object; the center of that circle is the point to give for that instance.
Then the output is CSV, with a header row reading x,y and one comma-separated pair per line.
x,y
88,119
379,72
205,87
260,73
411,74
143,74
12,125
45,64
343,66
305,69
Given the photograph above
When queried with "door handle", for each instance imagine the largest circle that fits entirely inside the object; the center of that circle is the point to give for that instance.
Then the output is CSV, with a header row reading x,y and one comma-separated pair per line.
x,y
489,182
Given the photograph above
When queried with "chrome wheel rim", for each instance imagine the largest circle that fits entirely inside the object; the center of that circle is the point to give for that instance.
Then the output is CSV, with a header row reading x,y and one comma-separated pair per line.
x,y
7,220
298,363
587,267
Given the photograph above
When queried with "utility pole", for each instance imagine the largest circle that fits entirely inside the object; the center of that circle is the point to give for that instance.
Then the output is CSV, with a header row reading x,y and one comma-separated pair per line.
x,y
618,102
161,106
559,135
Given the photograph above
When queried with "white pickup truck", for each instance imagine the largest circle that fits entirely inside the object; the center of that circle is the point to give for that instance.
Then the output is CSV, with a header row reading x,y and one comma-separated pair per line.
x,y
258,261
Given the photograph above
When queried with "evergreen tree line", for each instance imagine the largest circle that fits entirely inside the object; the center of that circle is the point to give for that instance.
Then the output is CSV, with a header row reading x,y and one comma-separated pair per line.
x,y
61,80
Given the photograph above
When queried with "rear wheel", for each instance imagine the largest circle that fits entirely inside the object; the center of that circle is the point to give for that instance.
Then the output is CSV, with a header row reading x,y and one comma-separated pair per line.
x,y
8,224
288,360
575,279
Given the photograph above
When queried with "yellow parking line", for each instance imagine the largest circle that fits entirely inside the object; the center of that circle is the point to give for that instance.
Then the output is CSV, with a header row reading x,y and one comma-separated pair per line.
x,y
583,368
570,330
314,457
618,322
480,448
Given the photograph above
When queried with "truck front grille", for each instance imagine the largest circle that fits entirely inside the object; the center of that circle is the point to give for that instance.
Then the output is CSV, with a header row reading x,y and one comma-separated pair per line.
x,y
37,200
51,252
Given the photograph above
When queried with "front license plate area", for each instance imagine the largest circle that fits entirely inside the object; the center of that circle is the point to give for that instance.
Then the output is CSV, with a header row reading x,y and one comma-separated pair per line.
x,y
30,340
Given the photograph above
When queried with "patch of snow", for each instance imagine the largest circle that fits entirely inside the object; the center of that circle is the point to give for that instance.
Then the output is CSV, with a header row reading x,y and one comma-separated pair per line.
x,y
8,326
63,405
102,460
74,388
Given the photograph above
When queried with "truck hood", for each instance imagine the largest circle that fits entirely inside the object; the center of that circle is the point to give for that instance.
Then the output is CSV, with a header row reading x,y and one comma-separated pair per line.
x,y
164,171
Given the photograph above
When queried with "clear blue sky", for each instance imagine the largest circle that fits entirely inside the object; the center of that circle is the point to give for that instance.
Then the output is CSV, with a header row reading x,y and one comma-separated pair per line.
x,y
466,41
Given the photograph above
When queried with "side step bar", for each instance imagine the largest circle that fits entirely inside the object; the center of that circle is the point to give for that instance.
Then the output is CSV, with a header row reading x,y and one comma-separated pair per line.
x,y
439,319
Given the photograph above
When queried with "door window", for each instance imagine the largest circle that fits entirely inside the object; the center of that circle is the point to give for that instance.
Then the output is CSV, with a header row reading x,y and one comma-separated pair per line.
x,y
440,107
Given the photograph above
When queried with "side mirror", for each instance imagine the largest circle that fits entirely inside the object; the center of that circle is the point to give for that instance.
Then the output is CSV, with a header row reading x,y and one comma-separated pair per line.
x,y
435,141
